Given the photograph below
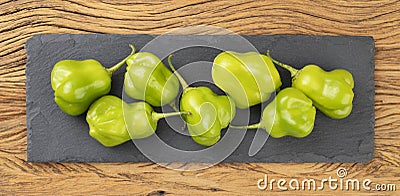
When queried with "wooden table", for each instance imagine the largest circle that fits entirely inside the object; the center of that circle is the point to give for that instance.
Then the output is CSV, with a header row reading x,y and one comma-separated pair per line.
x,y
21,19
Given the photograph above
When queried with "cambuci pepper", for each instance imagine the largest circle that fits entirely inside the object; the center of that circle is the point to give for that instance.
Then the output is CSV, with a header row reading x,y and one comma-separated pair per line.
x,y
331,92
113,122
248,78
141,120
77,84
106,121
148,79
291,113
208,112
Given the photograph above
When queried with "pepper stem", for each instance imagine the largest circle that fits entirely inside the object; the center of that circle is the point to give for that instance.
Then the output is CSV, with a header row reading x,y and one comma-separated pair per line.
x,y
180,78
114,68
253,126
293,71
158,116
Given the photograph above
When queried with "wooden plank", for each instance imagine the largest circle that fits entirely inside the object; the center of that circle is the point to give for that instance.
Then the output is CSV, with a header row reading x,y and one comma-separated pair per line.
x,y
21,19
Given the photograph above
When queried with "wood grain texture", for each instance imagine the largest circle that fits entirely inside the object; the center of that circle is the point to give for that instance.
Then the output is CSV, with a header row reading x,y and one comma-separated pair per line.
x,y
21,19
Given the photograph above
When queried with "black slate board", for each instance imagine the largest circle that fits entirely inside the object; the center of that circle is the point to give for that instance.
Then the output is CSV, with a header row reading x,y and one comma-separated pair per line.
x,y
56,137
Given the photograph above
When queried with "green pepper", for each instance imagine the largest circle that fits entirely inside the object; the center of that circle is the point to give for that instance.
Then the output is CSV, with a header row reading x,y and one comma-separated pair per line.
x,y
141,120
248,78
149,80
208,112
291,113
331,92
106,121
77,84
113,122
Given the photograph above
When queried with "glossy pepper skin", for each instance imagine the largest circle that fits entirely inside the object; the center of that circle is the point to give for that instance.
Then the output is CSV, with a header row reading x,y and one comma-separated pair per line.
x,y
113,121
149,80
77,84
248,78
291,113
331,92
141,120
208,112
106,121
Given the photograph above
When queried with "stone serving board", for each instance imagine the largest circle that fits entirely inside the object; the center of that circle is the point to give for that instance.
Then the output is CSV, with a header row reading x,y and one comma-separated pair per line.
x,y
54,136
